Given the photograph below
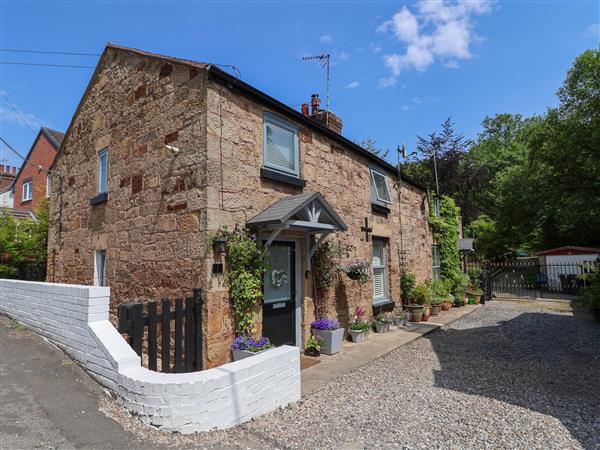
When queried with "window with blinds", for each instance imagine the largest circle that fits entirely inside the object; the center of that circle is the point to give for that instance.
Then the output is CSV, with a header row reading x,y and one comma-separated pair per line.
x,y
378,264
280,149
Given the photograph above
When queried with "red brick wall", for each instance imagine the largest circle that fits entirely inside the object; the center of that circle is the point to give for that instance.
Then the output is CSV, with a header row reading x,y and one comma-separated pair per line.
x,y
42,154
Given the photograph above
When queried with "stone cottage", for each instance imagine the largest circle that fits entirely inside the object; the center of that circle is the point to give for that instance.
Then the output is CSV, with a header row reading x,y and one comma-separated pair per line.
x,y
162,152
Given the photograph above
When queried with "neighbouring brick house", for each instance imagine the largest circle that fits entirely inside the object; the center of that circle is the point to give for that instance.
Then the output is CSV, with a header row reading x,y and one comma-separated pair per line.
x,y
7,177
163,152
32,182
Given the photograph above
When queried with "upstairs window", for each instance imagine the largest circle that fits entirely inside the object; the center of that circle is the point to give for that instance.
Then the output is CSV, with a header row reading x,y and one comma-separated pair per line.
x,y
102,170
27,190
280,146
379,187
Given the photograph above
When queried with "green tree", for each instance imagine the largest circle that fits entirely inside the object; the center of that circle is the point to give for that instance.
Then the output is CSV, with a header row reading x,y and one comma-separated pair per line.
x,y
23,246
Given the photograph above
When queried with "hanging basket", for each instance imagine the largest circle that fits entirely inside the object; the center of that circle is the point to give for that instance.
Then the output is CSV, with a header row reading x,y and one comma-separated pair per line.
x,y
353,275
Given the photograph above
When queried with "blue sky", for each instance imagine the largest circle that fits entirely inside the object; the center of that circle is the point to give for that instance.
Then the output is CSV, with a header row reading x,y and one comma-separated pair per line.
x,y
398,68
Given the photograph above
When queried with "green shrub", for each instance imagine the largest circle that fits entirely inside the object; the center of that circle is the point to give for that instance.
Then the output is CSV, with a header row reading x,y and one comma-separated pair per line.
x,y
407,284
421,295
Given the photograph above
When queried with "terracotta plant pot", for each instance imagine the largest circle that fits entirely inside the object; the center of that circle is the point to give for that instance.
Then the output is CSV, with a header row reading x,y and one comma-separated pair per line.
x,y
476,299
446,306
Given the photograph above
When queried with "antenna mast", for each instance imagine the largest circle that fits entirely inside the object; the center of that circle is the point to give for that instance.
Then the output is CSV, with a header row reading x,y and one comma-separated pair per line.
x,y
324,60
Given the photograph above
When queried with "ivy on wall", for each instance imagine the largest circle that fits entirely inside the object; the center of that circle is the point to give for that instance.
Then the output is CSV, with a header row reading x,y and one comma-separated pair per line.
x,y
445,233
246,266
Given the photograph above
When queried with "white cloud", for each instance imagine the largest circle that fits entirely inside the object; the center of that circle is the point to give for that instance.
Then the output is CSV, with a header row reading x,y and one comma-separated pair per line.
x,y
593,30
326,39
342,56
405,107
436,30
377,49
352,85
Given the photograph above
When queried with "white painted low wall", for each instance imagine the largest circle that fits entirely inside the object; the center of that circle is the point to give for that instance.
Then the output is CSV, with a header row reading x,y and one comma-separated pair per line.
x,y
76,319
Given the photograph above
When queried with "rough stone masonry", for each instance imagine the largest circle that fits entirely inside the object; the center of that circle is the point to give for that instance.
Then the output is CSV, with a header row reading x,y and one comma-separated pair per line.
x,y
162,205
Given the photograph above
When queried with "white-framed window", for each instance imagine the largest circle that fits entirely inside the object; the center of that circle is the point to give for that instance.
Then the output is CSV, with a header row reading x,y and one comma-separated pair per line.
x,y
379,187
435,262
99,265
379,266
280,145
102,170
48,185
27,190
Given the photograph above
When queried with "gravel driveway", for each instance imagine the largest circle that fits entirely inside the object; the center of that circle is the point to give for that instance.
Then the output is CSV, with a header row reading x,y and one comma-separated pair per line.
x,y
510,375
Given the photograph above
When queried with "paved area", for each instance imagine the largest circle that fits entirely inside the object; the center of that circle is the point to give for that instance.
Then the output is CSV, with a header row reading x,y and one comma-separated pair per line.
x,y
354,355
48,401
509,375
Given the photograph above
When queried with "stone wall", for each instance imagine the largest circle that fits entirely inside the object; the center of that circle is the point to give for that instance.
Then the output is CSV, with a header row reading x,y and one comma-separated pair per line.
x,y
236,193
76,319
153,223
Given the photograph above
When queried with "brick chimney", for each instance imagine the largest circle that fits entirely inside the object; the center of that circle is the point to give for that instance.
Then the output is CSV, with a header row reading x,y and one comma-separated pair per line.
x,y
327,118
304,109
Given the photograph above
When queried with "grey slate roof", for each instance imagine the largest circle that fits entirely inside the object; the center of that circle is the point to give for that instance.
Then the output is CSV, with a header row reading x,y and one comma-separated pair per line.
x,y
282,210
466,244
18,214
55,136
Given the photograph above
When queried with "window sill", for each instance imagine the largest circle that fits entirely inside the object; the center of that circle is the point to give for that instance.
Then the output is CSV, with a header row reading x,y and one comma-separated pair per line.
x,y
282,178
26,201
100,198
377,208
382,306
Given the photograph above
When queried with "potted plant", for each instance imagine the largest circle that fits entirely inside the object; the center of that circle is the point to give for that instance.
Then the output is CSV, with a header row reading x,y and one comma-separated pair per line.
x,y
382,323
407,283
331,333
474,294
359,327
358,270
447,304
400,318
313,346
426,313
436,305
420,296
245,346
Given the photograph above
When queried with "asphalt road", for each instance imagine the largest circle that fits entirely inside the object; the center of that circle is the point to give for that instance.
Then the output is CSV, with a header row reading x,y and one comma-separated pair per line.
x,y
48,401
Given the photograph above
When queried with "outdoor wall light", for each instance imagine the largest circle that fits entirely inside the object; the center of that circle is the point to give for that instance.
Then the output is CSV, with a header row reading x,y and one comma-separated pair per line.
x,y
220,245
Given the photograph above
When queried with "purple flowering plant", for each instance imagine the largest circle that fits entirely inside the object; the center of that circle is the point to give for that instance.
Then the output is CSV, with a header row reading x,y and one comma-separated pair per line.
x,y
357,269
251,344
325,324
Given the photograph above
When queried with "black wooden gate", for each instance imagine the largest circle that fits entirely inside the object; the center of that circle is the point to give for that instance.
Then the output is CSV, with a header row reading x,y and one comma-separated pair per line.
x,y
180,346
528,279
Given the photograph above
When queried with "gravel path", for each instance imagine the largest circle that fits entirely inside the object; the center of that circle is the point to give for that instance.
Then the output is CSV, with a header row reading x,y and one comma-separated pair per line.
x,y
510,375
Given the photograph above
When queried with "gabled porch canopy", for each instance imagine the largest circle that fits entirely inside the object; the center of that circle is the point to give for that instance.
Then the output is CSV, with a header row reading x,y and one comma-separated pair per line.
x,y
308,212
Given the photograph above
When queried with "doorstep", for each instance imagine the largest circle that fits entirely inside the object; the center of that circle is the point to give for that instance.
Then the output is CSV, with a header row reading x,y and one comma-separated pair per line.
x,y
354,355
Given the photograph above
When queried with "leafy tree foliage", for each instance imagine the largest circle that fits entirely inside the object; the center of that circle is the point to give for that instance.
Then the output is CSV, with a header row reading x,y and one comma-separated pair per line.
x,y
532,182
23,246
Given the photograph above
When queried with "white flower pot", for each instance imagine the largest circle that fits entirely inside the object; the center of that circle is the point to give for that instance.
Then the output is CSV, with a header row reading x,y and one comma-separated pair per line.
x,y
242,354
332,340
358,335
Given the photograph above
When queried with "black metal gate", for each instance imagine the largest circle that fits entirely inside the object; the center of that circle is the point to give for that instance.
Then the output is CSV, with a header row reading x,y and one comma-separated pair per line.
x,y
529,279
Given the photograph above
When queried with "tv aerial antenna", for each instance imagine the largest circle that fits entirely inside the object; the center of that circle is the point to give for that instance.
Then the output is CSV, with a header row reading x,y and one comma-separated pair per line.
x,y
324,60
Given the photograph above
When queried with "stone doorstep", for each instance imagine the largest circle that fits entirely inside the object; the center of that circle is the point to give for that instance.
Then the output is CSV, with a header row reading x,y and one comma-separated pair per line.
x,y
354,355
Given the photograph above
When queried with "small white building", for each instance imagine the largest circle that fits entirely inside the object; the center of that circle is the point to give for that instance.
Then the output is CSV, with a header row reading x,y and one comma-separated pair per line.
x,y
561,265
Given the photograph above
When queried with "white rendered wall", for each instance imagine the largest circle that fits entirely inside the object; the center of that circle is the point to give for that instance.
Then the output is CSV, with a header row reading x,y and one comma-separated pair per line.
x,y
75,318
